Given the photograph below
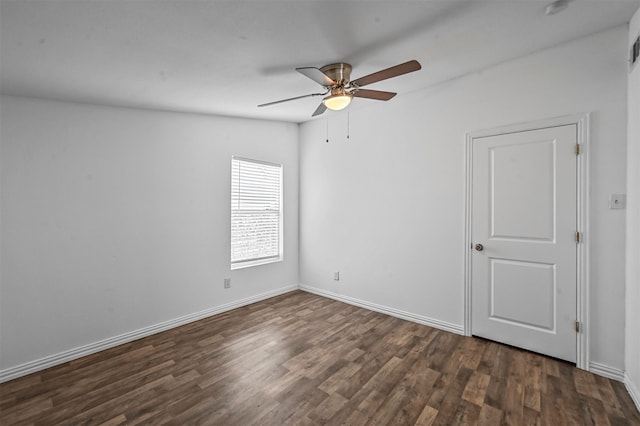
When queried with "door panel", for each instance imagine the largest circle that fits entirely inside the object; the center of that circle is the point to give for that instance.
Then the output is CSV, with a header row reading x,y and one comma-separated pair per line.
x,y
522,186
523,293
524,214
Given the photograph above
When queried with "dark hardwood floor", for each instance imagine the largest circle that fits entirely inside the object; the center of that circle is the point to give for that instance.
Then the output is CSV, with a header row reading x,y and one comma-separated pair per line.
x,y
302,359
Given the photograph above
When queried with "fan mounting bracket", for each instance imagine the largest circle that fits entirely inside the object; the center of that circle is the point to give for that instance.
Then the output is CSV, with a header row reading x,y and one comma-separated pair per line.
x,y
340,72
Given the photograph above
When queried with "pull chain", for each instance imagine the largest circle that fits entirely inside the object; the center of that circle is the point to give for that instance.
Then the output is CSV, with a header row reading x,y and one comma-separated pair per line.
x,y
327,140
348,123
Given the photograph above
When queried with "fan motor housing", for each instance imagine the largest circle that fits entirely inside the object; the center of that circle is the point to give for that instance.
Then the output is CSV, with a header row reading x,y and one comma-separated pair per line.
x,y
340,72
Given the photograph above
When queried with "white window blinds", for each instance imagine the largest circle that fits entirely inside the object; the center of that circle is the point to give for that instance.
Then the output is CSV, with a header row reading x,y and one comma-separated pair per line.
x,y
256,219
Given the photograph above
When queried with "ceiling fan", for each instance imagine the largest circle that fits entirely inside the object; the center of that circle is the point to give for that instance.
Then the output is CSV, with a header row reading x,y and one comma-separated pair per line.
x,y
335,79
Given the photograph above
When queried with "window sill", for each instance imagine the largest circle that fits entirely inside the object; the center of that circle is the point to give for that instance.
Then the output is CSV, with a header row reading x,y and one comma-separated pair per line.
x,y
252,263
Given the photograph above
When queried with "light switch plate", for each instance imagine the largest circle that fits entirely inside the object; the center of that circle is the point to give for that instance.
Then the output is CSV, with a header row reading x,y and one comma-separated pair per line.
x,y
617,201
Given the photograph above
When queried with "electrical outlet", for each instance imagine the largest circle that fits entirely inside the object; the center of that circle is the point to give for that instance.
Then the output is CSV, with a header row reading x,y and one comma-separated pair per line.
x,y
336,276
227,283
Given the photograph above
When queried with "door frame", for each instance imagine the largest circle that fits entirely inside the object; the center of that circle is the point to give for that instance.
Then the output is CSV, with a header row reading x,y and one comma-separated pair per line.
x,y
582,220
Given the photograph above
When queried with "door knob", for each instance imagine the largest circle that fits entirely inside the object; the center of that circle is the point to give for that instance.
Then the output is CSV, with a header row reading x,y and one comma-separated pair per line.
x,y
479,247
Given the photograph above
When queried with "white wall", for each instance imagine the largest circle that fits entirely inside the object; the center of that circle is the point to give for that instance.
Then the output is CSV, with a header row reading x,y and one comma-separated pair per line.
x,y
385,208
633,225
117,219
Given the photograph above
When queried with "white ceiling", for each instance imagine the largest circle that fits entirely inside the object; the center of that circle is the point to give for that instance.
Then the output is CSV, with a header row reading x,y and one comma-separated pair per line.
x,y
226,57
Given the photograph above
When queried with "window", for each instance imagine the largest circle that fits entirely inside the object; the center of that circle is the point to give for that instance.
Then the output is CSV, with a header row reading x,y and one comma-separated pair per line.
x,y
256,217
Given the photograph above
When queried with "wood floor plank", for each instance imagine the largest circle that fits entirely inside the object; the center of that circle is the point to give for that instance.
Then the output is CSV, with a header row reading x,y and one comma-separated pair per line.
x,y
627,406
448,403
427,416
476,388
408,398
466,414
489,416
302,359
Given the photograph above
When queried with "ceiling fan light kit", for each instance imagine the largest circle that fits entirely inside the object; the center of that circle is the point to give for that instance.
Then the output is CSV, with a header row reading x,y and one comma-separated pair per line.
x,y
336,79
339,99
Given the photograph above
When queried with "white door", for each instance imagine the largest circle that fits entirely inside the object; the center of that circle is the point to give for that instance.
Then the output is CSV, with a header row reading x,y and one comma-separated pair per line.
x,y
524,258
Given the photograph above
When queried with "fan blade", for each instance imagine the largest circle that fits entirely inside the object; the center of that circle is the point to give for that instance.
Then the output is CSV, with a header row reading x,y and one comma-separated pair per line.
x,y
316,75
321,108
292,99
378,95
405,68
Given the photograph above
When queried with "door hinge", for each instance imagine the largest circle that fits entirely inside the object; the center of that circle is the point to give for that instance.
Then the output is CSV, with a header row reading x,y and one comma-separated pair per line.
x,y
577,326
578,237
577,149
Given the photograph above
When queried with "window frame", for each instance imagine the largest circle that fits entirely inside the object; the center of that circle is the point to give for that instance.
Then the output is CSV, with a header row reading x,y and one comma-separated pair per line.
x,y
239,264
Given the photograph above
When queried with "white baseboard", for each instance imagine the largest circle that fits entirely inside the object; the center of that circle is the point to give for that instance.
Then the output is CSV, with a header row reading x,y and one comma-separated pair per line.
x,y
606,371
632,388
442,325
71,354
